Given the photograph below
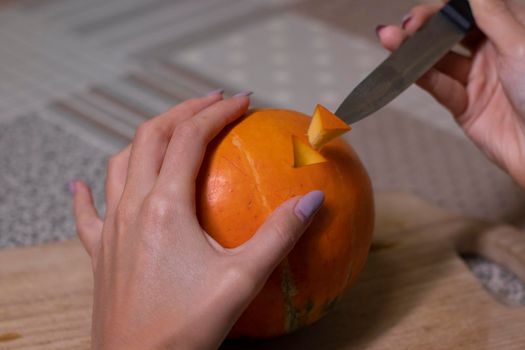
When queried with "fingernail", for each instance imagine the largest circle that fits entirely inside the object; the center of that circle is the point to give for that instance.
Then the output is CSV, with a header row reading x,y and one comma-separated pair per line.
x,y
406,19
215,92
309,204
244,93
72,188
379,28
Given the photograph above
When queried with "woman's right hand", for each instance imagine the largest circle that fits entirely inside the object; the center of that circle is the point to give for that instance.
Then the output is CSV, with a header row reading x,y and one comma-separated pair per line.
x,y
485,91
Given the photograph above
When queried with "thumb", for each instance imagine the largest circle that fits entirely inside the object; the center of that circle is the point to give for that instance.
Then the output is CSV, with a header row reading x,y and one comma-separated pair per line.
x,y
278,235
89,225
496,20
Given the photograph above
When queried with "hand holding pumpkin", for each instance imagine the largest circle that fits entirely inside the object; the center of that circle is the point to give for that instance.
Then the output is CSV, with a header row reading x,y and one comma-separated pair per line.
x,y
160,280
485,91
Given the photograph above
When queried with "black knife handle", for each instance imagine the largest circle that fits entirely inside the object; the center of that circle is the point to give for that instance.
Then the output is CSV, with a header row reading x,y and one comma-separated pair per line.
x,y
460,13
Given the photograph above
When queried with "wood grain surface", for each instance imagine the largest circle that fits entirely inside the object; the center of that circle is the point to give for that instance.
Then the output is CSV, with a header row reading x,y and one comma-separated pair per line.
x,y
415,292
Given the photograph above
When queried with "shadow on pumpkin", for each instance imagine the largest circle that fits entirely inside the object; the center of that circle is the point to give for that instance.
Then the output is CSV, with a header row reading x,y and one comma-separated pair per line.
x,y
384,294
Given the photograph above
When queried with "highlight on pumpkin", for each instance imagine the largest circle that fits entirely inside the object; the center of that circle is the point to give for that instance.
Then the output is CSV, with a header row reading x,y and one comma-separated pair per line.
x,y
324,127
304,155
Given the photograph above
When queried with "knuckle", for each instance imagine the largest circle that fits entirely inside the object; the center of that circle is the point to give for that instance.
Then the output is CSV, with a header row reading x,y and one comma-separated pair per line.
x,y
240,279
156,207
147,131
188,130
284,235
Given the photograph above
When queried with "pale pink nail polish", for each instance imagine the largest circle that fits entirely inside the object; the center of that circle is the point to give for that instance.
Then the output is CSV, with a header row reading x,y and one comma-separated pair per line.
x,y
244,93
405,21
309,204
215,92
379,28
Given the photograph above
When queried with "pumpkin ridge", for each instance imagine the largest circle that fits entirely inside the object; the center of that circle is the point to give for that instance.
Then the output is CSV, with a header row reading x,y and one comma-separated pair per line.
x,y
236,141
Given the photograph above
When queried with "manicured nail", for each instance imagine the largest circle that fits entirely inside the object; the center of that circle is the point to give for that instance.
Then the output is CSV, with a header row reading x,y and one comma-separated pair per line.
x,y
72,188
215,92
379,28
309,204
244,93
406,19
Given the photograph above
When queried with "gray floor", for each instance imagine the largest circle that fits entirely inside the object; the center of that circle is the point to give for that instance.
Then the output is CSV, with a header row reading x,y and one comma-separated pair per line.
x,y
76,78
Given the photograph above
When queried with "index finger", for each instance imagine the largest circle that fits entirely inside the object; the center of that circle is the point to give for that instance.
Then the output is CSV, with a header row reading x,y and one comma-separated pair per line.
x,y
176,181
150,143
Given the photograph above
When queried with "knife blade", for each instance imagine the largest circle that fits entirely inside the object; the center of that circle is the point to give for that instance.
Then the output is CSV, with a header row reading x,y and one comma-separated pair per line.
x,y
406,65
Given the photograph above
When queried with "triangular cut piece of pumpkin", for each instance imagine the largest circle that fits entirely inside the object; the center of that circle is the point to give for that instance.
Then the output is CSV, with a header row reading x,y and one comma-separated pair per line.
x,y
304,155
324,127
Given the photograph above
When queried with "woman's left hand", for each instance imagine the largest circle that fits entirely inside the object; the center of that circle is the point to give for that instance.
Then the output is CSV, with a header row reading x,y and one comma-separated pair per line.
x,y
160,281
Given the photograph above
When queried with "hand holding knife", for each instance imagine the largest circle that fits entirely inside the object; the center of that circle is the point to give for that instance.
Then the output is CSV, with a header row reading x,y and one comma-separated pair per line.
x,y
405,66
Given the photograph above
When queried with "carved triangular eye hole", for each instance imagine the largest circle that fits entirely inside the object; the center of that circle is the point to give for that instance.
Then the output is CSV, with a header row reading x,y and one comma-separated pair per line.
x,y
304,154
324,127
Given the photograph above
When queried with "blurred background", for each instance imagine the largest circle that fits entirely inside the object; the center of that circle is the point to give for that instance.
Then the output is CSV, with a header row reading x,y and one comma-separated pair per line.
x,y
77,77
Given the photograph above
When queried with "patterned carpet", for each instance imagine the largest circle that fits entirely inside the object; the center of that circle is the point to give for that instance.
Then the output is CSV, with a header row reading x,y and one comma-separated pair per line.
x,y
77,77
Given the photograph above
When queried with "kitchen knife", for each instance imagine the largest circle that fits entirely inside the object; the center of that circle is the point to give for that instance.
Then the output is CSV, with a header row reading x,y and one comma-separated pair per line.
x,y
408,63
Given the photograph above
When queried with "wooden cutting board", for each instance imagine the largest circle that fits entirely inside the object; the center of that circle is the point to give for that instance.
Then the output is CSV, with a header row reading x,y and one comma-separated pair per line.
x,y
415,292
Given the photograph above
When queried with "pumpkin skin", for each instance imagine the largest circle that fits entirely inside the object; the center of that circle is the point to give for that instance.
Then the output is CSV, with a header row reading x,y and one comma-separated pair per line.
x,y
247,173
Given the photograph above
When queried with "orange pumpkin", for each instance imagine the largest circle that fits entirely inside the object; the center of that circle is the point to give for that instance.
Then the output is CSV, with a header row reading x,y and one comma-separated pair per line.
x,y
247,173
